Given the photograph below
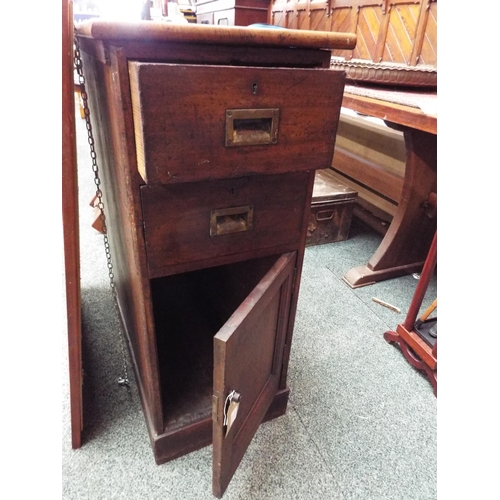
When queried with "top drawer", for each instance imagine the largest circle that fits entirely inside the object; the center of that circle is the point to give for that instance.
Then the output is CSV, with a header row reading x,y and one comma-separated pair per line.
x,y
196,122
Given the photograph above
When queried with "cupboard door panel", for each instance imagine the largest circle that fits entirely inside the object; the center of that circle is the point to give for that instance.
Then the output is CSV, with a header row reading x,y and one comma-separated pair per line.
x,y
248,353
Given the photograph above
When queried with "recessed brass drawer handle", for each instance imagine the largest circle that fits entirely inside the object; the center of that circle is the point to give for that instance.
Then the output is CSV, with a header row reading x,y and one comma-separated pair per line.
x,y
250,127
231,220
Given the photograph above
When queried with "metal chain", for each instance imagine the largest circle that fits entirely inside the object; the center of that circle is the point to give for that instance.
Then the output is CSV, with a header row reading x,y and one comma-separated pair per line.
x,y
123,380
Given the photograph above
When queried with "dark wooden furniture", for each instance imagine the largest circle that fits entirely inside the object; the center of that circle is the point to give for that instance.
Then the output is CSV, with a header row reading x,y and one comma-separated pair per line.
x,y
208,139
419,353
71,233
406,243
332,206
232,12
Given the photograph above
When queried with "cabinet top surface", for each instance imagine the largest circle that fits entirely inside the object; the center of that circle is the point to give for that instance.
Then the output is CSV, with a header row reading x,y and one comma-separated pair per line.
x,y
159,31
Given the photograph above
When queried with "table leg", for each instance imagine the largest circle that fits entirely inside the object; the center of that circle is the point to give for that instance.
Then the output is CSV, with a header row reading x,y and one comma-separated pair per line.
x,y
405,245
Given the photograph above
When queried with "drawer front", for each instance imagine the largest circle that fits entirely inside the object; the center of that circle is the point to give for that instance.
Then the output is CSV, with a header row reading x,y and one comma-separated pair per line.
x,y
207,18
224,18
196,123
195,222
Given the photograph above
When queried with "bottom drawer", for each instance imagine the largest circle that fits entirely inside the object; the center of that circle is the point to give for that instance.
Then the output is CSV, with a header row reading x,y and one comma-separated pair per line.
x,y
190,224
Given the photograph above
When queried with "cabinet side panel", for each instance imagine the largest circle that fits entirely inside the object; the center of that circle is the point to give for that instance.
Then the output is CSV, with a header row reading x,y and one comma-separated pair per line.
x,y
112,128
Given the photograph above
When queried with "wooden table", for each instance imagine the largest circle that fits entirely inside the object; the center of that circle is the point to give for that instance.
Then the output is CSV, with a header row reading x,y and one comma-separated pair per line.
x,y
406,244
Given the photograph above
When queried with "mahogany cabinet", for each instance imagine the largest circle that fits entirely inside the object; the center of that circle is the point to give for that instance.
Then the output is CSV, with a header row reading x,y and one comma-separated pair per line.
x,y
207,141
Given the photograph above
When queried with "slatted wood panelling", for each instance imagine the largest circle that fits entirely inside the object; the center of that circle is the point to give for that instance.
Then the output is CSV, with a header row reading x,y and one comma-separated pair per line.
x,y
320,20
344,20
428,53
278,18
399,31
368,29
303,19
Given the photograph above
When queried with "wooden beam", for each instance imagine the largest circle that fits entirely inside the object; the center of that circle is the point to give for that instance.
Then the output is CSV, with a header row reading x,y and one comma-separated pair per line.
x,y
70,226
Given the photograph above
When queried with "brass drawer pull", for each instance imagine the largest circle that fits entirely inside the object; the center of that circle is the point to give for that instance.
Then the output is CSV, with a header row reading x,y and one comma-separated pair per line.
x,y
231,220
249,127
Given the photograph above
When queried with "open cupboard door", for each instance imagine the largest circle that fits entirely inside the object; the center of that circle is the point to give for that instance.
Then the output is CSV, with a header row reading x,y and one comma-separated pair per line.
x,y
248,354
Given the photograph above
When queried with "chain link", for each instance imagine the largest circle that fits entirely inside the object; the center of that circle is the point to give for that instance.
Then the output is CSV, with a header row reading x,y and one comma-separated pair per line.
x,y
123,380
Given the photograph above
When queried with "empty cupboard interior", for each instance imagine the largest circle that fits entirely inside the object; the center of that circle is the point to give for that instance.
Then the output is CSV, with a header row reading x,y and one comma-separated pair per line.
x,y
189,309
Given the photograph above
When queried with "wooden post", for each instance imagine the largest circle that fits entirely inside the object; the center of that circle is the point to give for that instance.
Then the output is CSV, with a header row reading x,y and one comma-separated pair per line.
x,y
70,225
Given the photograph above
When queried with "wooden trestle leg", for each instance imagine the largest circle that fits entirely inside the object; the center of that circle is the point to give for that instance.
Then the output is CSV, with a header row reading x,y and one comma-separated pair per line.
x,y
405,245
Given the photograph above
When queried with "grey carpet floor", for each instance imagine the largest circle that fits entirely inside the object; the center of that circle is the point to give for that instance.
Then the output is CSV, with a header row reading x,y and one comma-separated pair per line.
x,y
361,422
